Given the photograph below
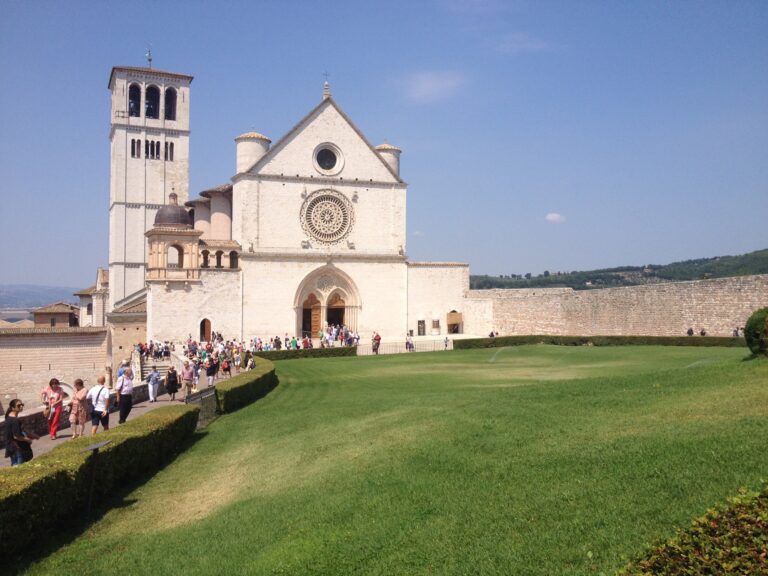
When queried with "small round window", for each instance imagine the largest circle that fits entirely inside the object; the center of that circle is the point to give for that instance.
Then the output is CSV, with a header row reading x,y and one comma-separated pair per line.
x,y
326,159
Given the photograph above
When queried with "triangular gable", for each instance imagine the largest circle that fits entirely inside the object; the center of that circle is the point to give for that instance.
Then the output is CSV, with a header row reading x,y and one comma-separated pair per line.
x,y
271,163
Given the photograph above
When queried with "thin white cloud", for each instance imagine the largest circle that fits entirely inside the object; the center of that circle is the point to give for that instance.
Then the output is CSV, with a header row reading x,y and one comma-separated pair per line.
x,y
431,86
554,218
418,233
520,43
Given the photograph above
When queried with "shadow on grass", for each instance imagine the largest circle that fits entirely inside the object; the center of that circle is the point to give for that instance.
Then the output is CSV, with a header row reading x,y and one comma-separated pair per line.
x,y
67,533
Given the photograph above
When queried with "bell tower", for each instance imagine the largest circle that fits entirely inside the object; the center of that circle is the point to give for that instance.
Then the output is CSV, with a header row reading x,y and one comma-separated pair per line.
x,y
149,160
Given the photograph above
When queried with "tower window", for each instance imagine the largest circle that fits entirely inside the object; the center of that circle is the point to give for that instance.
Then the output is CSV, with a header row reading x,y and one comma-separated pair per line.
x,y
152,102
134,100
169,151
170,104
171,156
157,150
233,259
219,256
146,148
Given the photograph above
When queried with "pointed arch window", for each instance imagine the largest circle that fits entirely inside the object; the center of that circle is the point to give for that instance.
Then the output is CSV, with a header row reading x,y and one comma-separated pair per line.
x,y
170,104
152,102
134,100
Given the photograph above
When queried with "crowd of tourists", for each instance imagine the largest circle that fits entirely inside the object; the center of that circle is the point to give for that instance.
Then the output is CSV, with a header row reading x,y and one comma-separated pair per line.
x,y
85,405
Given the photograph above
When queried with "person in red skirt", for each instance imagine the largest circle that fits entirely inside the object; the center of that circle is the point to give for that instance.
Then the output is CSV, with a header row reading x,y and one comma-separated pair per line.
x,y
55,397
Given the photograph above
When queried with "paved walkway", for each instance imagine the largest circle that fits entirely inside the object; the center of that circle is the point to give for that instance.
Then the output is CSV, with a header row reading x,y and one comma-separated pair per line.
x,y
45,444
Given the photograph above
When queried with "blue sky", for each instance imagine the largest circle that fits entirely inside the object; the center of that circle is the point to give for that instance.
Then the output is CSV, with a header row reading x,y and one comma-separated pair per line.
x,y
535,135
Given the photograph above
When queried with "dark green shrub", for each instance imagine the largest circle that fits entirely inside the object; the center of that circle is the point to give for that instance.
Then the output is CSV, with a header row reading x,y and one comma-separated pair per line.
x,y
246,387
730,539
308,353
36,497
756,332
501,341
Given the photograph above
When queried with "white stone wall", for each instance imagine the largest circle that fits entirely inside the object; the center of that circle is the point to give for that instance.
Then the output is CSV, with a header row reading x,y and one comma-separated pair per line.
x,y
268,218
221,217
667,309
435,289
175,311
295,155
271,287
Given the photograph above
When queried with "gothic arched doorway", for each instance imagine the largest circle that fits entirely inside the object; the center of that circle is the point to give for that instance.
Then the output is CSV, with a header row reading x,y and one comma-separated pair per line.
x,y
310,317
205,330
335,300
335,313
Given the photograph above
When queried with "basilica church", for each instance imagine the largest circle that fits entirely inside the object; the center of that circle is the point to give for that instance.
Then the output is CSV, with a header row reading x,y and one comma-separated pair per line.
x,y
308,230
311,230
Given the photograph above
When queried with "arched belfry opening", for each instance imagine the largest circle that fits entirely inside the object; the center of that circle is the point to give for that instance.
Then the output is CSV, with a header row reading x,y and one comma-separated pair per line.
x,y
152,102
170,104
134,100
327,295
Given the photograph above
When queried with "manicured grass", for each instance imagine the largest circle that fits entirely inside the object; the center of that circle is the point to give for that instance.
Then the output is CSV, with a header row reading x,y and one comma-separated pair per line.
x,y
525,460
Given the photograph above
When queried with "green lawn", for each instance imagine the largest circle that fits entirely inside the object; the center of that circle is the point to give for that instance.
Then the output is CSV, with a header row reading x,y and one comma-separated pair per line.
x,y
525,460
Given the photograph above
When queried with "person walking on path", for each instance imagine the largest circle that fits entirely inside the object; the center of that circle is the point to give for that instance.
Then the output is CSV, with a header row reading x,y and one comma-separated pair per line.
x,y
98,396
124,389
187,377
153,381
78,413
210,371
55,396
18,444
172,382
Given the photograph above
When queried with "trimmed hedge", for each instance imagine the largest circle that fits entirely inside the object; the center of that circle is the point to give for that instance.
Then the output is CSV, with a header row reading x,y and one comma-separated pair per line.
x,y
246,387
756,332
308,353
730,539
37,496
500,341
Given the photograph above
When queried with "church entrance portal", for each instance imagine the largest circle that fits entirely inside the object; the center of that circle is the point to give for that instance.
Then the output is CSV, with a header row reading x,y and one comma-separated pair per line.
x,y
326,296
205,330
310,317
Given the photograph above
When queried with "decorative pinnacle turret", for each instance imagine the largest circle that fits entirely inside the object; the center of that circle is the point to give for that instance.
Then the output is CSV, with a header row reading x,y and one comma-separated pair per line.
x,y
326,87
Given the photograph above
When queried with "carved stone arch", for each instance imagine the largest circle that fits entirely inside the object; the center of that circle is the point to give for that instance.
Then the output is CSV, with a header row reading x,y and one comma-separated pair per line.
x,y
337,295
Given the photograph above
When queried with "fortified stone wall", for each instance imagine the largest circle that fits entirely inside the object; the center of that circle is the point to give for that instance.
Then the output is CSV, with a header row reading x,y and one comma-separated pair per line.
x,y
29,358
667,309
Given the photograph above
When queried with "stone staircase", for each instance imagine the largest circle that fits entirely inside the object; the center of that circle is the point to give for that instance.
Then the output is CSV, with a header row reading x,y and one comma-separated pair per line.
x,y
162,367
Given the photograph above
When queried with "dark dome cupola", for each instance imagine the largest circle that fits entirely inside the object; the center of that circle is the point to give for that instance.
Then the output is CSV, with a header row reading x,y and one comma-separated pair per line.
x,y
172,215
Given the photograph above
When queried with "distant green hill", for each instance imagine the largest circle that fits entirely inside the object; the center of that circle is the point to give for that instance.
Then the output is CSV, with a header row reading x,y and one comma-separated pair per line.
x,y
718,267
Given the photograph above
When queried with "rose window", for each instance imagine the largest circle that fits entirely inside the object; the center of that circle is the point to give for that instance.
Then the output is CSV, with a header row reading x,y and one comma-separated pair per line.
x,y
327,216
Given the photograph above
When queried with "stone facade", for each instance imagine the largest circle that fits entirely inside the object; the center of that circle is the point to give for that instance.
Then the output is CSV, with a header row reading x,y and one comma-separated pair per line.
x,y
311,231
29,358
667,309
